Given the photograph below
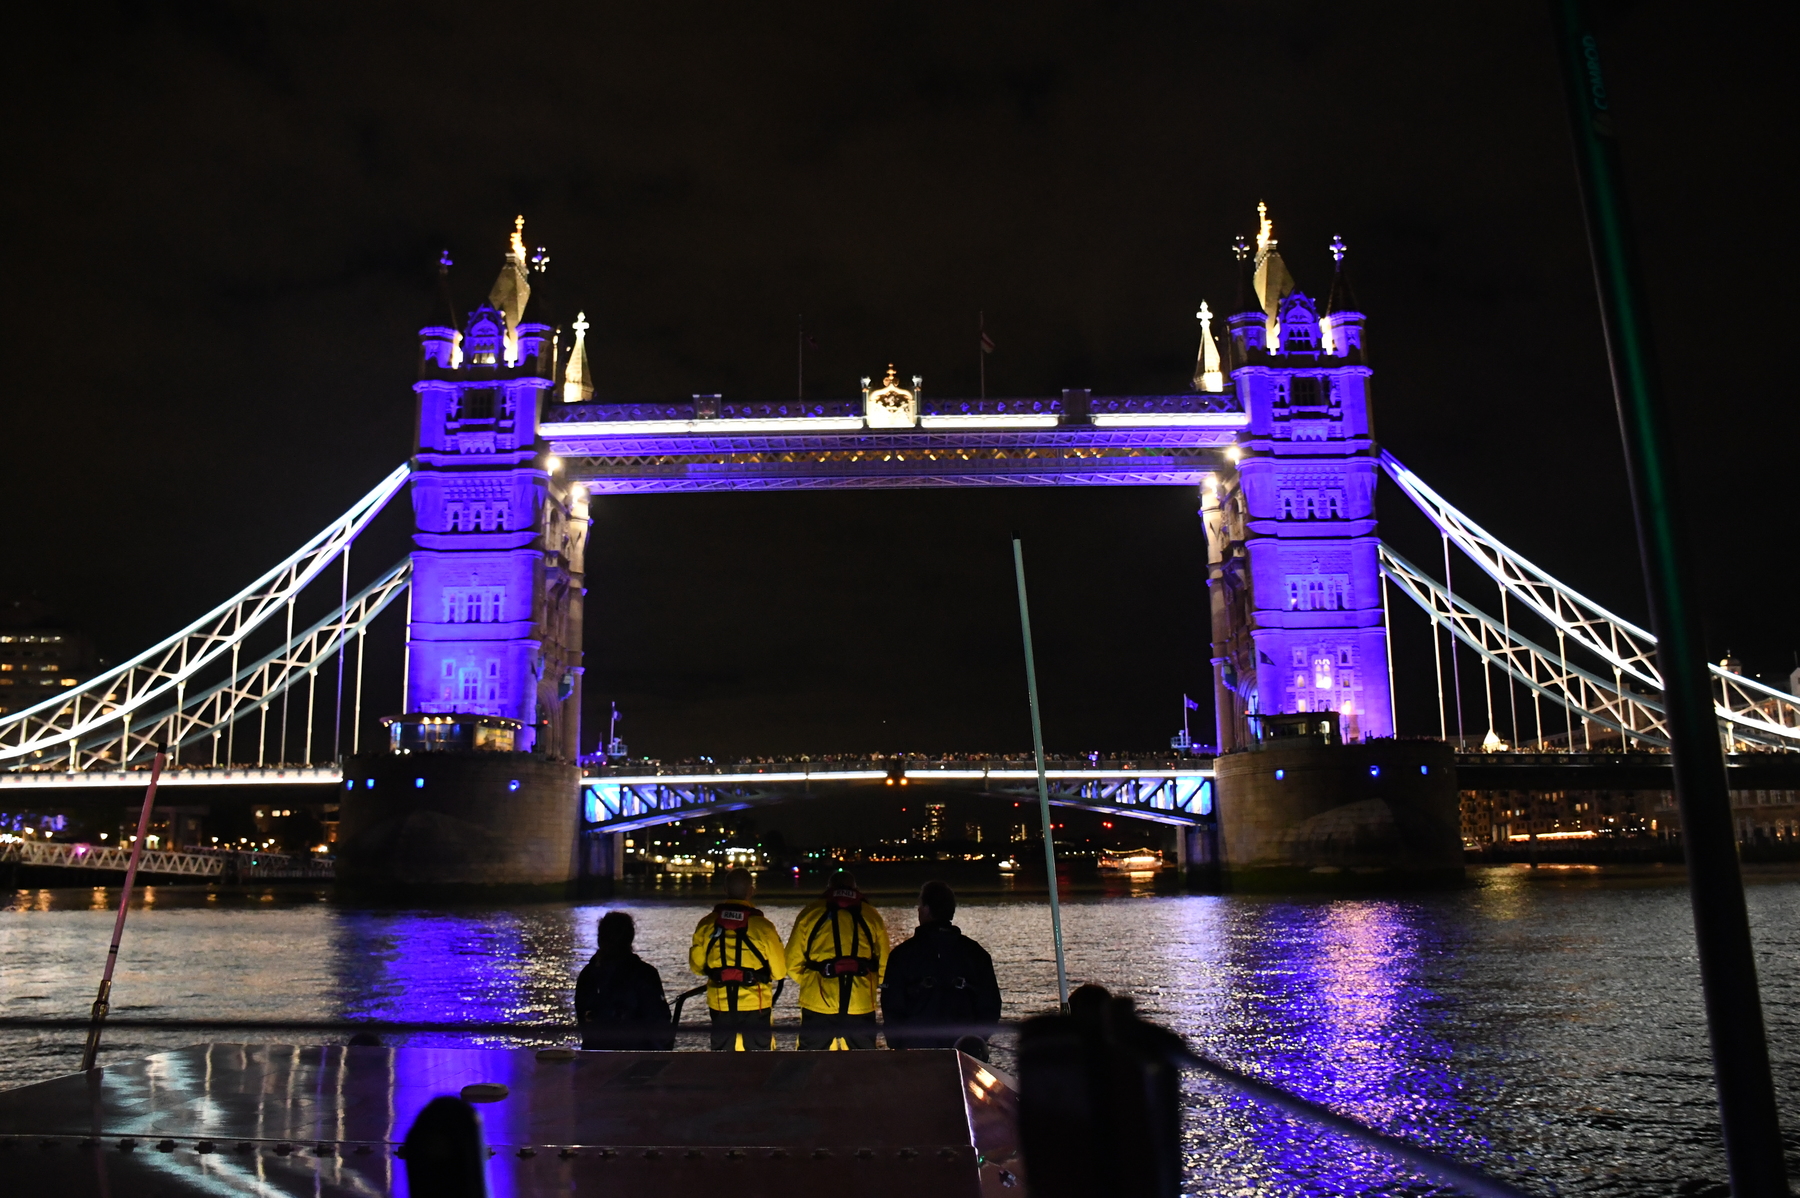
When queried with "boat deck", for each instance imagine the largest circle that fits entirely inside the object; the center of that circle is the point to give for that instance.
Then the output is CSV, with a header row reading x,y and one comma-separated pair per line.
x,y
271,1119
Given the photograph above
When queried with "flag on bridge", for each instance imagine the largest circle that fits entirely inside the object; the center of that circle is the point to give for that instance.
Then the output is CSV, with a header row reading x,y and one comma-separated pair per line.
x,y
1189,704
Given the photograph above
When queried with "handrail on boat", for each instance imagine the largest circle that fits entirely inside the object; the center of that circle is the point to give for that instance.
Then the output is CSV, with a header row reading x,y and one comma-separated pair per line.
x,y
1439,1168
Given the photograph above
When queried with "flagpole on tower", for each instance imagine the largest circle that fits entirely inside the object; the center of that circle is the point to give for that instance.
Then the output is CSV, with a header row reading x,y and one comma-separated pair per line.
x,y
800,357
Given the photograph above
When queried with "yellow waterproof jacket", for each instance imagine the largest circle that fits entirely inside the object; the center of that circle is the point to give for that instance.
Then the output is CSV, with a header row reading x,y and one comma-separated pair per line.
x,y
838,952
739,954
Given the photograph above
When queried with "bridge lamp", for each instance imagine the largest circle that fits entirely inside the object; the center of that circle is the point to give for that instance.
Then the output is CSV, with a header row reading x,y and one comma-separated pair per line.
x,y
418,784
552,463
1234,453
1374,771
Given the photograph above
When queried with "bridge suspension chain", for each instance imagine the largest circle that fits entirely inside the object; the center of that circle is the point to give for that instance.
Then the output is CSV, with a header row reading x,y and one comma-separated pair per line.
x,y
1636,714
207,714
113,706
1613,638
1756,713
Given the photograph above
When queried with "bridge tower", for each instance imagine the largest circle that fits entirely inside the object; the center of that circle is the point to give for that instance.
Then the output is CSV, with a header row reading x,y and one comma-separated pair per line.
x,y
1294,570
495,626
480,781
1311,782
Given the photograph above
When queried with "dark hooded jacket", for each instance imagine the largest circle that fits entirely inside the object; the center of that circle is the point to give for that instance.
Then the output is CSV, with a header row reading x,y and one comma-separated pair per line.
x,y
619,1004
940,976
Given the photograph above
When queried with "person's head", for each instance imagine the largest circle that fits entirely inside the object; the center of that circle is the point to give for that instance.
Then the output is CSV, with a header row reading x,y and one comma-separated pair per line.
x,y
937,903
617,931
842,889
1088,1003
739,885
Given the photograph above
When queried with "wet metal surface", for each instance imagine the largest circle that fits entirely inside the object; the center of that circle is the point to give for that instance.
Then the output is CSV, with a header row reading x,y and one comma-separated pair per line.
x,y
282,1119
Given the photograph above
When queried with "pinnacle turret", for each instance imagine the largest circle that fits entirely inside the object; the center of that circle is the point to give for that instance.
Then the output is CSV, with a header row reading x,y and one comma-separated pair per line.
x,y
1247,318
1343,321
512,290
1207,375
577,384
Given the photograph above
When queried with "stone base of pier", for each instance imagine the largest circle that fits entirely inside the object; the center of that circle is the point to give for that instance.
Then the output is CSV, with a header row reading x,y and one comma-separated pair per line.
x,y
445,820
1318,816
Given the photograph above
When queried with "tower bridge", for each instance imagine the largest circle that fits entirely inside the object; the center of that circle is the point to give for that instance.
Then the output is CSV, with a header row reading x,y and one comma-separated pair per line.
x,y
478,780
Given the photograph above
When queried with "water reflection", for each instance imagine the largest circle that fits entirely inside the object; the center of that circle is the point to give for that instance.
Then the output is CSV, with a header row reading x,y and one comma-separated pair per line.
x,y
482,966
1545,1025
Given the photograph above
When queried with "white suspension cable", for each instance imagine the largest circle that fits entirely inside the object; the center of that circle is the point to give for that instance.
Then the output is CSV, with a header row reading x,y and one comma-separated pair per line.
x,y
161,674
1757,714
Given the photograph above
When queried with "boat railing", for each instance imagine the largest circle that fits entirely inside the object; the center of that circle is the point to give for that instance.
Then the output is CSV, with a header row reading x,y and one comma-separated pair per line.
x,y
1432,1165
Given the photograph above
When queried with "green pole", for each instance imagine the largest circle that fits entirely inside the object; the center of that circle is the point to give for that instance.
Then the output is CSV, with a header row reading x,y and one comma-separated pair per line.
x,y
1748,1118
1037,744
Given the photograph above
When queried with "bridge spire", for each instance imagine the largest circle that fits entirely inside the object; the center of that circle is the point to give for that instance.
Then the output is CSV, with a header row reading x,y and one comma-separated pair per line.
x,y
1343,320
512,290
1273,282
1207,375
1246,319
577,384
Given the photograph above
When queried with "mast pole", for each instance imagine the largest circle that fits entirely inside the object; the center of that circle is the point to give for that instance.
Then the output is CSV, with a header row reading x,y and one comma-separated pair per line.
x,y
1749,1119
1043,788
102,1002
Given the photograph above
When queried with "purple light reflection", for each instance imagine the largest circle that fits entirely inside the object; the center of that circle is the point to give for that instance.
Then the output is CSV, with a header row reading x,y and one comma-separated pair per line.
x,y
414,967
1328,1001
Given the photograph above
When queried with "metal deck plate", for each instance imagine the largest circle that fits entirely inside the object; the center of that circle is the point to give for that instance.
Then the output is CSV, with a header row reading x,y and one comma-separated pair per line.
x,y
283,1119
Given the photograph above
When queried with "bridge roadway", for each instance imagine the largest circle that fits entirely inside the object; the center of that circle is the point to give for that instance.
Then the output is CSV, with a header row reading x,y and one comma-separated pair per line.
x,y
625,798
1164,789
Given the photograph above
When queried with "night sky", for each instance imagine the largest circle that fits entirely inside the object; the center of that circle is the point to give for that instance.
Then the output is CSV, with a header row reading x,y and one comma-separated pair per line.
x,y
226,221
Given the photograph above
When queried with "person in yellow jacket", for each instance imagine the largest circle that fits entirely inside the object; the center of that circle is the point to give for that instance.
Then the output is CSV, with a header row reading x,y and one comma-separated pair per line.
x,y
837,952
739,954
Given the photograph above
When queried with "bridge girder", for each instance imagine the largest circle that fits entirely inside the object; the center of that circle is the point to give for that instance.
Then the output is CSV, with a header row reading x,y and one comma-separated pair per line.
x,y
628,803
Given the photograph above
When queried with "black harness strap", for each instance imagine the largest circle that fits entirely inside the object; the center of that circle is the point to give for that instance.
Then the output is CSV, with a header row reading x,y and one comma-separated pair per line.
x,y
734,976
846,968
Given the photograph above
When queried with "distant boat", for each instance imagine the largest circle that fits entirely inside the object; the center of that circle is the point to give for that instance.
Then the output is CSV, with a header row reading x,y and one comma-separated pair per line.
x,y
1131,861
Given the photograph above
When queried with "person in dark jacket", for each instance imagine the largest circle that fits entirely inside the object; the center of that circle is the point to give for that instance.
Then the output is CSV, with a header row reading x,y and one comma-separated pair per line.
x,y
619,1000
940,977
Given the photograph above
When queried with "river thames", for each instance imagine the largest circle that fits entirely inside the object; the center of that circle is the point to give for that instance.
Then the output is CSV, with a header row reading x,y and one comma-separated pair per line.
x,y
1545,1025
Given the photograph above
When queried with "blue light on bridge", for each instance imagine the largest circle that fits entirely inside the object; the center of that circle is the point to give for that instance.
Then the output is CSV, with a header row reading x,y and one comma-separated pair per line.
x,y
418,784
1280,774
1374,771
369,784
349,783
1424,769
513,785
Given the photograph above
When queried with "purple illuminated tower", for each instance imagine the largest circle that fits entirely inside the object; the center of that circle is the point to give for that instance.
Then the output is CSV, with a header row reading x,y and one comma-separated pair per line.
x,y
1294,572
1313,788
478,783
497,576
